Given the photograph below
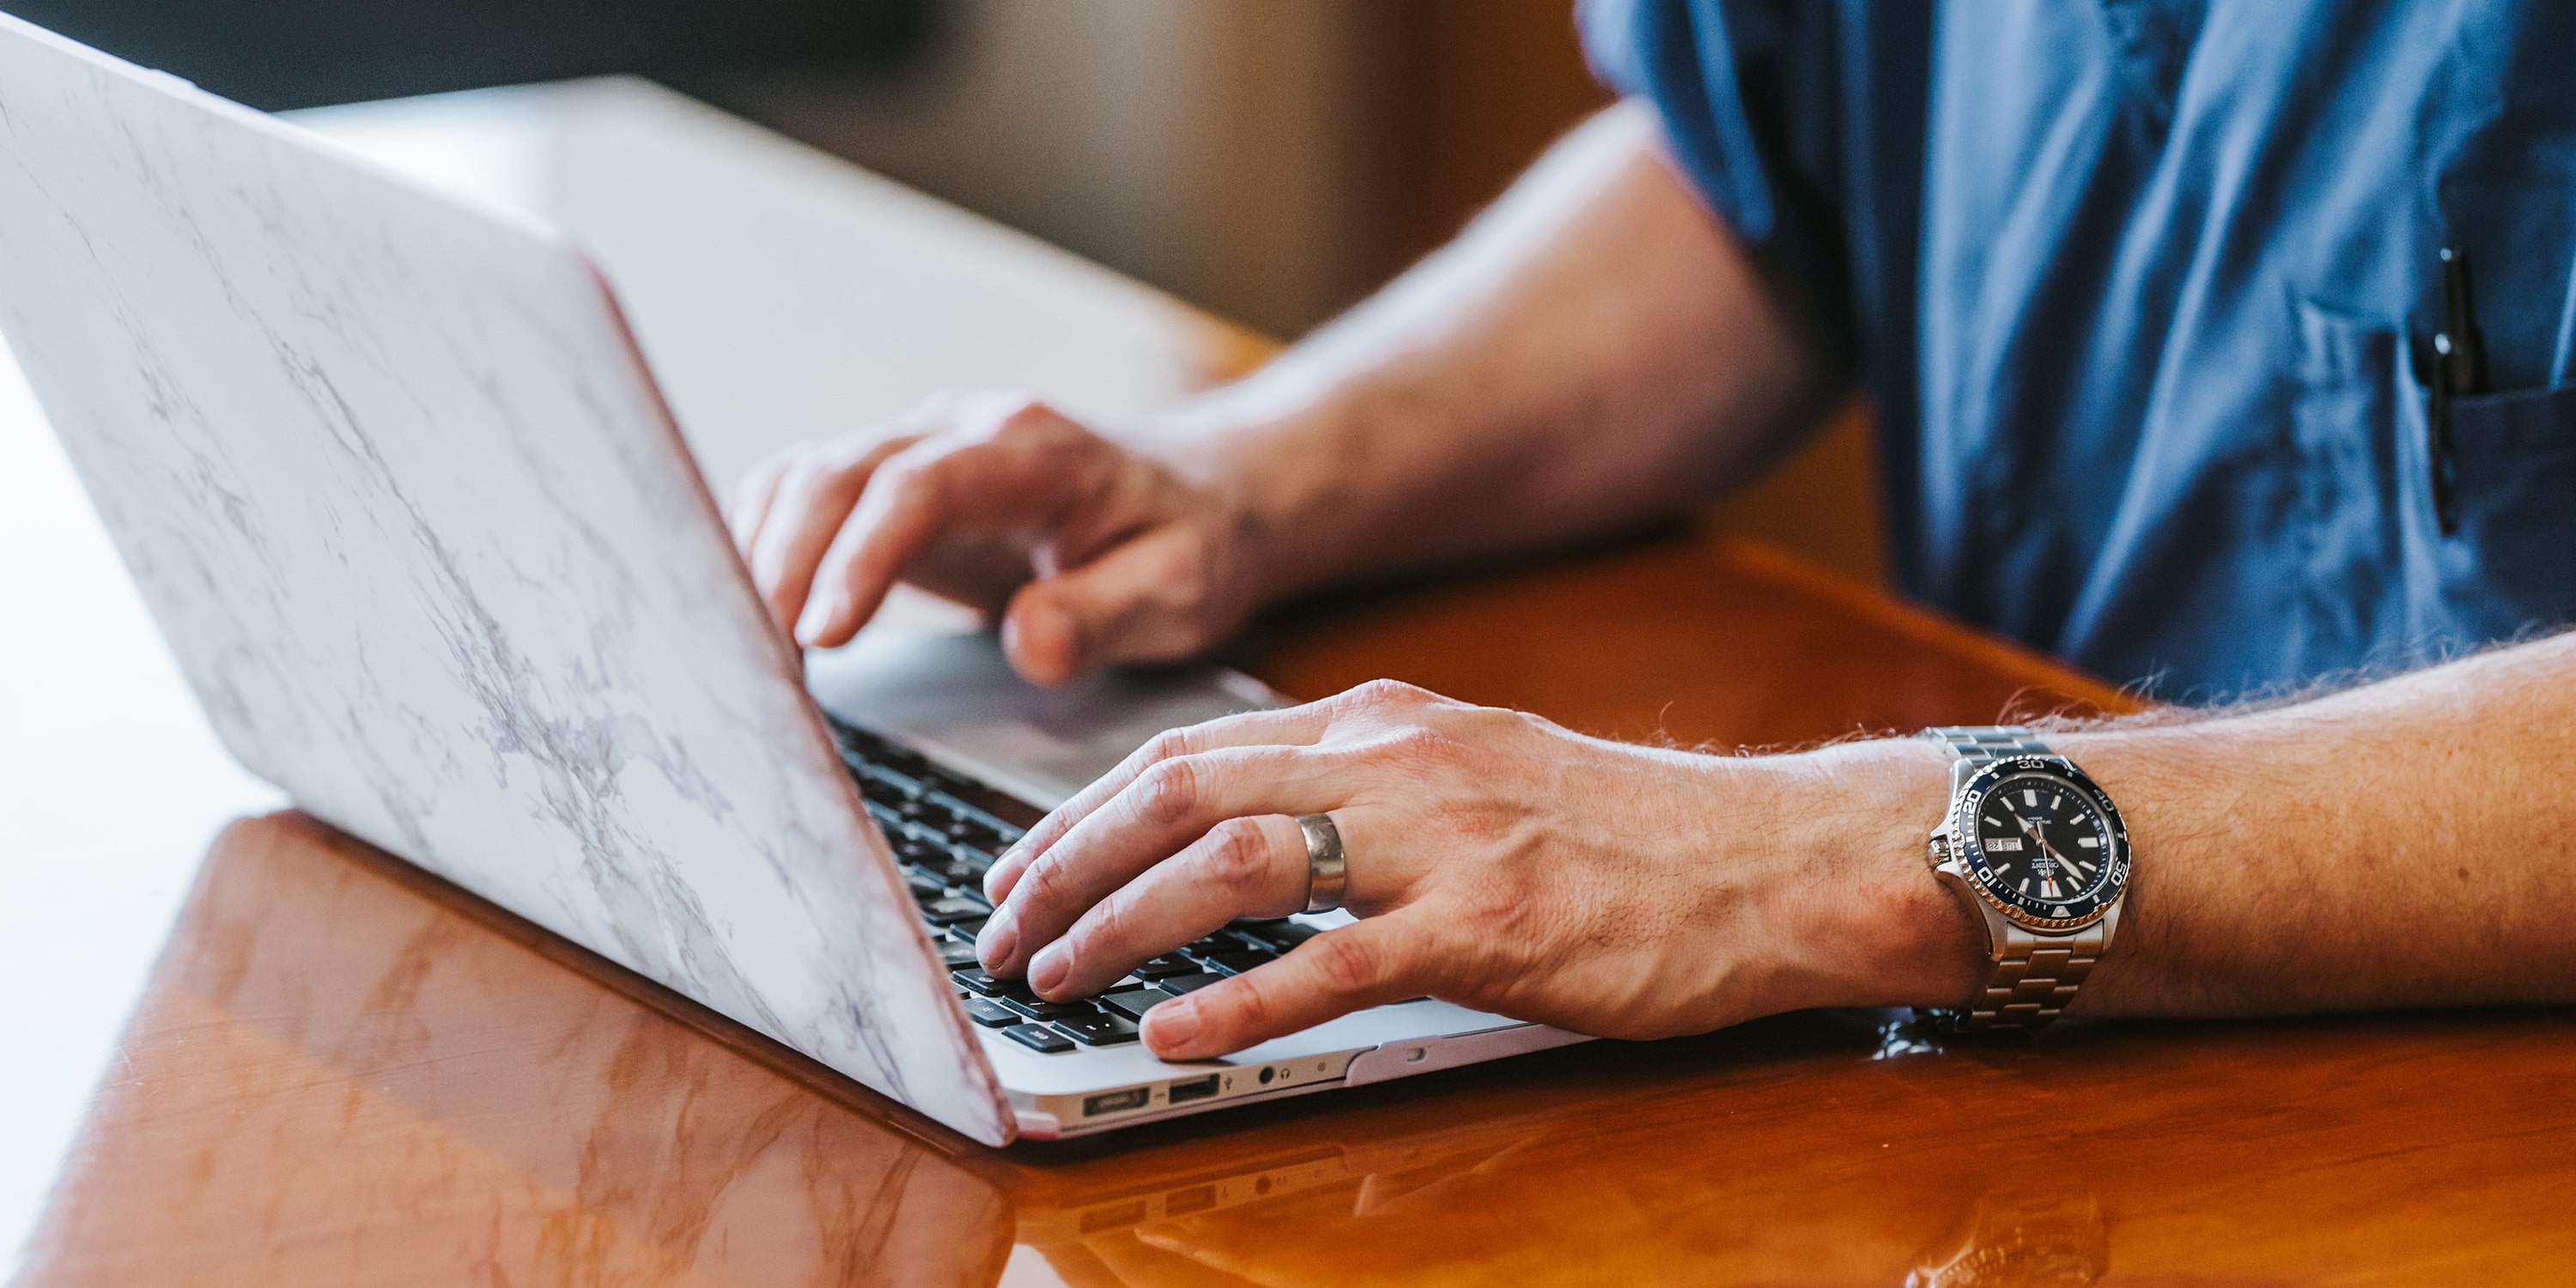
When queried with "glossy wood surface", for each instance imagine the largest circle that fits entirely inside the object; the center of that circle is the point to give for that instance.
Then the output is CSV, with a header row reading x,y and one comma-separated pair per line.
x,y
344,1072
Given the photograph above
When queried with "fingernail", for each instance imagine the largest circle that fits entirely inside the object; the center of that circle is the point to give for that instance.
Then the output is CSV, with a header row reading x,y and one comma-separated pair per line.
x,y
819,615
1050,968
993,892
994,946
1173,1023
1040,639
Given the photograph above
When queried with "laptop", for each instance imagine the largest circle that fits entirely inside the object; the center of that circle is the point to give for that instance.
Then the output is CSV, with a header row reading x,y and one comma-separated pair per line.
x,y
403,498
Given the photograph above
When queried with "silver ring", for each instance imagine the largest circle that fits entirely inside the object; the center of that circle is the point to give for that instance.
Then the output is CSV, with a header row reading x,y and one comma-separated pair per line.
x,y
1324,873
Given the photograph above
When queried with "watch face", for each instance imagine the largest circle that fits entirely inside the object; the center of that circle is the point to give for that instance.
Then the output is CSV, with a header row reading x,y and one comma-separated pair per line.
x,y
2044,844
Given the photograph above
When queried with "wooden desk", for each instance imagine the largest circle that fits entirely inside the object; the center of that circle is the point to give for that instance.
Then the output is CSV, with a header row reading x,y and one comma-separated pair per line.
x,y
344,1072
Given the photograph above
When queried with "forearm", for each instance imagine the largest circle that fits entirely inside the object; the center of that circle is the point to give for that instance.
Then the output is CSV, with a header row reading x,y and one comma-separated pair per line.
x,y
2402,844
1595,350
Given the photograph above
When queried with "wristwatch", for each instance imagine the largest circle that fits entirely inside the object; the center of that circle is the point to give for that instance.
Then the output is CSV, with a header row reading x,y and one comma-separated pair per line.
x,y
2038,849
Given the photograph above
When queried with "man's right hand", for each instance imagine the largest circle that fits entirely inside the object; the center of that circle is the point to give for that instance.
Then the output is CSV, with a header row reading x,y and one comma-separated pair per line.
x,y
1088,552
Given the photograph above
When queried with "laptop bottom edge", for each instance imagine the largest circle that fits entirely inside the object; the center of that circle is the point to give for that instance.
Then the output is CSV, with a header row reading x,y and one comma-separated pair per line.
x,y
1069,1114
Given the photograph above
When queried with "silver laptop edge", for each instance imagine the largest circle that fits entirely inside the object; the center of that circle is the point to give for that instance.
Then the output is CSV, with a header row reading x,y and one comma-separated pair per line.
x,y
400,492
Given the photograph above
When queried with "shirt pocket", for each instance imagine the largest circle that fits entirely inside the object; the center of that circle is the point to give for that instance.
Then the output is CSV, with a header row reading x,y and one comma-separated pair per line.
x,y
2511,569
2381,585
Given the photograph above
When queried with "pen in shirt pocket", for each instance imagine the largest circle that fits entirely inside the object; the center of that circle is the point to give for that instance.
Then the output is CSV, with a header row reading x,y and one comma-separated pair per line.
x,y
2453,365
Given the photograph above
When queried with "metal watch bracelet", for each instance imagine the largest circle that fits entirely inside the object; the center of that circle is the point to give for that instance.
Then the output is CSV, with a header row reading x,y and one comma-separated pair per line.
x,y
2035,975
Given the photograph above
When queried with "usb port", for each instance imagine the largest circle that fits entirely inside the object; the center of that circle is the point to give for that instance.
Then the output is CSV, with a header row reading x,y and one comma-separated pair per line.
x,y
1111,1102
1196,1089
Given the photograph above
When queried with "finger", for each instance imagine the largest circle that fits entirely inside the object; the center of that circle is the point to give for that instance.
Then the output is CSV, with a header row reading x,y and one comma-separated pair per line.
x,y
1293,727
812,496
751,502
1243,867
1145,600
1367,963
812,499
1173,804
1016,480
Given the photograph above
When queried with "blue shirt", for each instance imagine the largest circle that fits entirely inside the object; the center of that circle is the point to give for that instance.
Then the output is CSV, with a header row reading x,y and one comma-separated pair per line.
x,y
2136,283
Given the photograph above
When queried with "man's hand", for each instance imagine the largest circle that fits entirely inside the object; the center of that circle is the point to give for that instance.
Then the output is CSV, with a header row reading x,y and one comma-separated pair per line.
x,y
1086,551
1597,350
1499,862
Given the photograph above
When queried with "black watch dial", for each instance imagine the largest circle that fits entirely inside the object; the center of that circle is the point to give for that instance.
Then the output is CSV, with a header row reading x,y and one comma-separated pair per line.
x,y
2044,844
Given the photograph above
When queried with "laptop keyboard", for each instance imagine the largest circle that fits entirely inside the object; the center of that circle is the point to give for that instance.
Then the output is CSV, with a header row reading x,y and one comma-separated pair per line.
x,y
946,829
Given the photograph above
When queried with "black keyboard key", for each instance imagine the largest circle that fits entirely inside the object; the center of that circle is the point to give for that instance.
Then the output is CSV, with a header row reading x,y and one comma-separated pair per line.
x,y
1220,942
884,777
990,1014
957,955
1099,1030
969,929
1179,984
979,980
1235,963
1135,1002
980,820
955,909
1164,967
953,870
1280,936
1038,1009
1039,1037
925,887
886,818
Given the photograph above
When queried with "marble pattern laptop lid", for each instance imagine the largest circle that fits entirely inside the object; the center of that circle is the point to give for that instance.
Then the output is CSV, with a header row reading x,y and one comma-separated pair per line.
x,y
405,504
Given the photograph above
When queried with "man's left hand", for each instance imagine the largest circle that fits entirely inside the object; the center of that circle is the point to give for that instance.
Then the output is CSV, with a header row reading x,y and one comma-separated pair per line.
x,y
1497,861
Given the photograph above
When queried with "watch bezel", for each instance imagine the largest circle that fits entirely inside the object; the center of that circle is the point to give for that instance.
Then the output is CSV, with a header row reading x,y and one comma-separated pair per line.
x,y
1968,854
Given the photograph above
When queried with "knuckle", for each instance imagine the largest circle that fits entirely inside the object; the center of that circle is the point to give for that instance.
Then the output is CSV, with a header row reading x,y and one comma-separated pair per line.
x,y
1106,926
1167,792
1171,744
1379,703
1027,409
1248,1004
1017,415
1042,885
1386,693
1347,963
1237,856
917,475
1183,585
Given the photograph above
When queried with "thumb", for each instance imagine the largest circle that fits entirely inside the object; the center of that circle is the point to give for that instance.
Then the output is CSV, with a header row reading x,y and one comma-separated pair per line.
x,y
1145,600
1364,964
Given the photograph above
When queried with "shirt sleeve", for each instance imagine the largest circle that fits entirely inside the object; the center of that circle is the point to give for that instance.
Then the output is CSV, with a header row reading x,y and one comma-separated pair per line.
x,y
1759,105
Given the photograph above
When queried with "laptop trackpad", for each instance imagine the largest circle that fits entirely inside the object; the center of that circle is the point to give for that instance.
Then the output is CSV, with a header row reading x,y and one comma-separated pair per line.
x,y
951,695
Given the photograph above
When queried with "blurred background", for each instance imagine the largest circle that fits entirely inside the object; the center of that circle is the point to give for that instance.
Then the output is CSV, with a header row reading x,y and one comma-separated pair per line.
x,y
1269,160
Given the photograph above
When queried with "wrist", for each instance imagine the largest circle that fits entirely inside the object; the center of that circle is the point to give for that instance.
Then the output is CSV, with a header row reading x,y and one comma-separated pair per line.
x,y
1269,482
1904,937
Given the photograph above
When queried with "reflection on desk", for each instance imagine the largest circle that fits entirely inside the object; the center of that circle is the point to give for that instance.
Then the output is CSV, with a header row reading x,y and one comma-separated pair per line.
x,y
346,1072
